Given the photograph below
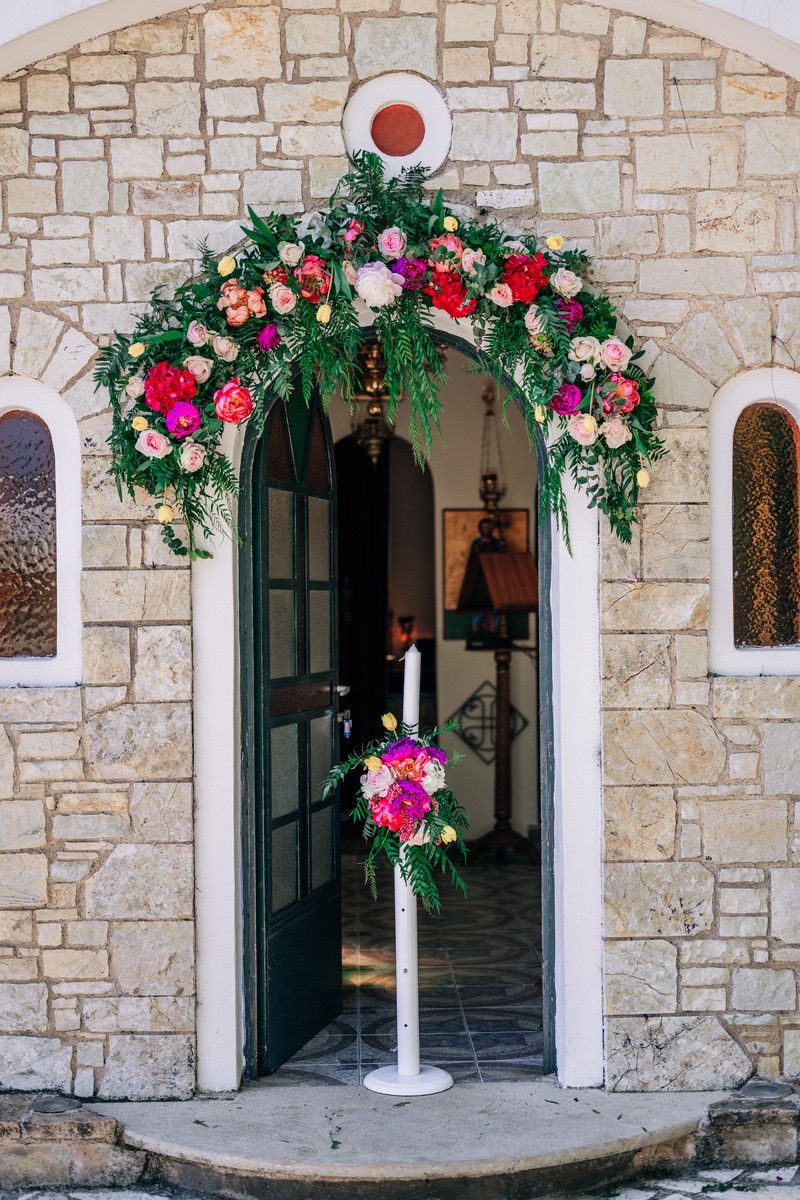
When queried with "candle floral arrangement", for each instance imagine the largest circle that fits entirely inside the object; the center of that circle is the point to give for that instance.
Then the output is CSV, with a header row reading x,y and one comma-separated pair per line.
x,y
408,813
249,326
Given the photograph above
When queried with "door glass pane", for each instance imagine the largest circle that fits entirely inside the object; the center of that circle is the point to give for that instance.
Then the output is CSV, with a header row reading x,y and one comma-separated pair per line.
x,y
321,754
282,640
318,468
280,456
322,847
284,770
281,534
319,604
319,539
299,425
284,866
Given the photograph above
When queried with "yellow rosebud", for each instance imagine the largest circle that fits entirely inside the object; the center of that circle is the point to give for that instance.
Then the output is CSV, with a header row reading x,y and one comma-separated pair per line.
x,y
389,721
324,313
137,349
555,241
373,763
226,265
164,514
450,224
140,423
643,477
448,834
539,413
589,423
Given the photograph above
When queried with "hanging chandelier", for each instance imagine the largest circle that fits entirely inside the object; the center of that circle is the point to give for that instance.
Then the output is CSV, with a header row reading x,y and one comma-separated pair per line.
x,y
492,487
371,428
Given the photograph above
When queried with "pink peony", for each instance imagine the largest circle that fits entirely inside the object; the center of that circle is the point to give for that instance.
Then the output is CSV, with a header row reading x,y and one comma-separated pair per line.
x,y
566,399
199,367
233,402
182,419
237,316
391,243
256,302
153,444
454,247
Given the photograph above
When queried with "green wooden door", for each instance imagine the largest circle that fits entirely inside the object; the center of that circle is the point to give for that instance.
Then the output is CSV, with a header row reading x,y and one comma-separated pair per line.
x,y
296,893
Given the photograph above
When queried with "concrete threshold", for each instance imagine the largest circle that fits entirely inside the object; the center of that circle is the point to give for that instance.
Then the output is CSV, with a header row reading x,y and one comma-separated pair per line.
x,y
487,1141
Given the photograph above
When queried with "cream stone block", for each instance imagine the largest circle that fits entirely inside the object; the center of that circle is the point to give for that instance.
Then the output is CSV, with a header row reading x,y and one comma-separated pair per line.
x,y
243,43
33,1064
750,322
782,758
50,743
281,190
136,158
231,102
511,48
74,353
6,766
301,141
48,93
153,958
100,95
152,596
753,93
735,222
683,474
85,186
103,68
167,108
656,312
757,698
791,1053
629,34
10,96
639,823
469,22
554,56
550,143
484,137
101,502
703,999
662,747
554,95
142,882
31,196
785,904
148,1067
654,606
138,1014
664,899
161,812
90,827
395,44
772,145
763,989
157,37
703,343
519,16
106,654
634,87
787,342
16,929
584,18
672,162
743,900
317,103
14,147
691,656
118,238
75,964
23,880
636,671
467,64
619,234
312,33
579,187
40,706
87,933
163,663
679,385
696,276
140,741
93,802
22,825
744,831
641,977
142,277
233,154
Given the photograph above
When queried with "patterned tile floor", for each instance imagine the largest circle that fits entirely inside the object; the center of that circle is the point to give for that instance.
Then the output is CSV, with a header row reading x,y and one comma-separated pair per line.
x,y
480,982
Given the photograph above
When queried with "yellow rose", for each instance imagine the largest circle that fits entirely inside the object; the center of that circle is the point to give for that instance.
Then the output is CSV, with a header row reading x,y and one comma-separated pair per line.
x,y
137,349
448,834
324,313
164,514
643,477
140,423
450,224
589,423
539,413
389,721
555,241
226,265
373,763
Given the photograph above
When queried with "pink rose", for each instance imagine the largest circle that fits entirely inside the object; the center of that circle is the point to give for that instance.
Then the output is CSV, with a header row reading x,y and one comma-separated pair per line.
x,y
471,260
577,427
193,455
225,348
233,402
614,354
392,242
199,367
153,444
616,432
197,334
282,298
534,322
454,247
501,295
566,283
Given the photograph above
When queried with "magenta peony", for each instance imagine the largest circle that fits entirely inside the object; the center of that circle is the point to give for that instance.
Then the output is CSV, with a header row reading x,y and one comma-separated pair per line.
x,y
566,399
268,337
182,419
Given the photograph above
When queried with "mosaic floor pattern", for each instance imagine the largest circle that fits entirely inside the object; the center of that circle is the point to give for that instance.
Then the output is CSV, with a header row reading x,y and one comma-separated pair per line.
x,y
480,978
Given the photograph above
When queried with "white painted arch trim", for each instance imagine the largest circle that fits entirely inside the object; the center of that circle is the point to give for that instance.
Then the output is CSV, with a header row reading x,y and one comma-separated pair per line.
x,y
578,798
19,393
774,385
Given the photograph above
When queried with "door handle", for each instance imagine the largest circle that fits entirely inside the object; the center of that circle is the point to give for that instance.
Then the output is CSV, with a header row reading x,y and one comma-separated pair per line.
x,y
343,689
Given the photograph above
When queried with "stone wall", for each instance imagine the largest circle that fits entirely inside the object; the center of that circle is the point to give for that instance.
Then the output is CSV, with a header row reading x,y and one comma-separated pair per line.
x,y
673,161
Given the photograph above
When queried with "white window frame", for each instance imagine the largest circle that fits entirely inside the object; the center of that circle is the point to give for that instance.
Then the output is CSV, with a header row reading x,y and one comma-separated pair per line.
x,y
767,385
21,394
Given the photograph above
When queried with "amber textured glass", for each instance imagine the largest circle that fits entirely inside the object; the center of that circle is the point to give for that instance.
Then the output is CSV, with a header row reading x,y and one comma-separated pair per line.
x,y
27,538
766,528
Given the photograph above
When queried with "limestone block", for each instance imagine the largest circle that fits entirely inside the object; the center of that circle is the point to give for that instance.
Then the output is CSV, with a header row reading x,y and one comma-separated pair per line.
x,y
37,334
142,278
163,663
751,327
519,16
634,87
16,929
641,977
242,43
619,234
167,197
233,154
787,342
785,904
667,747
138,741
636,671
654,606
102,68
394,44
552,95
48,93
117,238
584,18
764,697
85,187
148,1067
74,353
772,146
781,758
639,823
300,141
675,542
182,236
23,1008
33,1064
744,831
763,989
6,766
75,964
153,958
101,502
139,1014
695,276
231,102
40,705
663,899
556,57
168,108
579,187
86,827
312,33
23,880
132,596
672,162
317,103
100,95
484,137
702,341
68,285
691,657
753,93
629,34
142,882
14,145
31,196
467,64
21,824
162,812
735,222
93,802
683,475
157,37
95,432
653,1054
469,22
106,653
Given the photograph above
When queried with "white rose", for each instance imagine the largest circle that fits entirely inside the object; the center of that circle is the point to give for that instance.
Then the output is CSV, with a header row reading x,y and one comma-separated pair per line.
x,y
290,253
376,783
577,427
533,320
377,285
432,777
585,349
587,372
616,432
135,387
566,283
193,455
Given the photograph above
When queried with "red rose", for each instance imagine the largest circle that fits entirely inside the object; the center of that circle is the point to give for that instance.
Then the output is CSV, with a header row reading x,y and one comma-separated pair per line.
x,y
448,292
314,279
165,385
524,274
233,402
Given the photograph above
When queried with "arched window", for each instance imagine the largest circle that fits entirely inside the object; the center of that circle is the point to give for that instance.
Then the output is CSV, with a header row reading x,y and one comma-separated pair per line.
x,y
755,523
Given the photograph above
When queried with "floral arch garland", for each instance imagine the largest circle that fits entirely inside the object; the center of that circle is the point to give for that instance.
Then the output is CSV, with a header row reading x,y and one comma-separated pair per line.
x,y
244,328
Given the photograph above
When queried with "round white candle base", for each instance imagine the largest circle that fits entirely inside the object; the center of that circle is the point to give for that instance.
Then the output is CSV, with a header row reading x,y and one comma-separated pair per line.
x,y
390,1082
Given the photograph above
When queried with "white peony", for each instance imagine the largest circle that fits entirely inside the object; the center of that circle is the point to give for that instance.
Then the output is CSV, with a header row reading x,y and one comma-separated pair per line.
x,y
377,285
566,283
376,783
432,777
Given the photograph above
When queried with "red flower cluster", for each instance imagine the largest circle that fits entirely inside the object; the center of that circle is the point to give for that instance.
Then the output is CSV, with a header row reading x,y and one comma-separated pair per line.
x,y
448,291
524,274
275,275
314,279
165,385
